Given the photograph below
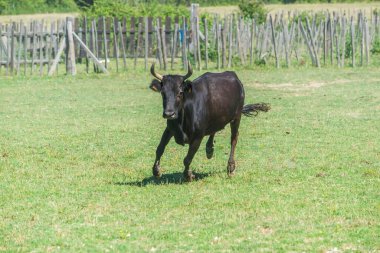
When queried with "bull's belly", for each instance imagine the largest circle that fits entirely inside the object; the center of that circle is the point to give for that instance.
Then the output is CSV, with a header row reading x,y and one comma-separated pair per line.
x,y
216,126
187,136
214,130
210,125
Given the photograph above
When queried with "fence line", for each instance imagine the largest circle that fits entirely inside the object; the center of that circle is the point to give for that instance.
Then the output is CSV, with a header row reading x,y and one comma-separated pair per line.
x,y
112,44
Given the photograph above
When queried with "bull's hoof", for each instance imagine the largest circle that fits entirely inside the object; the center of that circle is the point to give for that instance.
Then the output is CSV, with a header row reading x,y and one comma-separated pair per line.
x,y
157,170
189,176
231,168
209,152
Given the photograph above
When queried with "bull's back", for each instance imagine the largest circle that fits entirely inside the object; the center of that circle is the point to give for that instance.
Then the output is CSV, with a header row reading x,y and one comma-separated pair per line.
x,y
223,99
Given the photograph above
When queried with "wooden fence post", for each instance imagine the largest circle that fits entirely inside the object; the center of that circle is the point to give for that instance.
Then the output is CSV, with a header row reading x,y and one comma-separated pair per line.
x,y
218,28
174,46
184,44
252,42
367,41
105,43
122,46
70,64
206,42
12,48
116,42
34,42
163,44
230,41
25,47
159,47
353,41
41,27
146,42
286,41
137,48
274,42
224,42
198,43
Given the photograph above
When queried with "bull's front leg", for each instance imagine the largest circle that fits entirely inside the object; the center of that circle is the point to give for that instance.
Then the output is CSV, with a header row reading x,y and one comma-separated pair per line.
x,y
193,148
166,136
210,146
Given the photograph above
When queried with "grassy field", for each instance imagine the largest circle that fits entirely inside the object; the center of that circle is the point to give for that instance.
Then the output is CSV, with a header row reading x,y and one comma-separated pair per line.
x,y
76,157
275,8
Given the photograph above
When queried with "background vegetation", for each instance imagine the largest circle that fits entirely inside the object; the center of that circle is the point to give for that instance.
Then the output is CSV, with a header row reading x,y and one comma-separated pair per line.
x,y
118,8
36,6
127,7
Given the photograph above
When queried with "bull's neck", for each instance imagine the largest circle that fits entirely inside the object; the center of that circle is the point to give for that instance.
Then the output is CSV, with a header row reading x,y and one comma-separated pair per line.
x,y
176,127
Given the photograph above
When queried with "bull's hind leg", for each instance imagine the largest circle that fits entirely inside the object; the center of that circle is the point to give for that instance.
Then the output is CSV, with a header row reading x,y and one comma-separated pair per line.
x,y
234,137
166,136
193,148
210,146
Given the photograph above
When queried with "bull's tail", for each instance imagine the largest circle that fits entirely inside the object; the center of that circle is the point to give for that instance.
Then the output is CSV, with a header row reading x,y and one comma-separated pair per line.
x,y
251,110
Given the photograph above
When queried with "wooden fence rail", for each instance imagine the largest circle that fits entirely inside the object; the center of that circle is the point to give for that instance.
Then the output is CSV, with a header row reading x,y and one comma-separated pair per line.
x,y
112,44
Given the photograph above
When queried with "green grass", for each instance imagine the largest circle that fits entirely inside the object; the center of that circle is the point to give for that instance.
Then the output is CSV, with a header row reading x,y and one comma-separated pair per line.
x,y
76,157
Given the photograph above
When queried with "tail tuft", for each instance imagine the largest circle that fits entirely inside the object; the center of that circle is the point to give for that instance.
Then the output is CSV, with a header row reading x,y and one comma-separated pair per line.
x,y
251,110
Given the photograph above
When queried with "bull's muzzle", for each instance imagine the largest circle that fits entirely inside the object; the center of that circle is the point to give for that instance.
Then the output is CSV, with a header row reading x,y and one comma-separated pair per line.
x,y
169,115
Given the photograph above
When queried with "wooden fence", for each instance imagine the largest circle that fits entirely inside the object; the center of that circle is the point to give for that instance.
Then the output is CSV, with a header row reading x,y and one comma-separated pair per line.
x,y
109,44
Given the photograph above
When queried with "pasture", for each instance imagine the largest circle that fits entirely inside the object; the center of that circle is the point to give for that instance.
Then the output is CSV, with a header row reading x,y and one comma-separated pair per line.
x,y
367,7
76,155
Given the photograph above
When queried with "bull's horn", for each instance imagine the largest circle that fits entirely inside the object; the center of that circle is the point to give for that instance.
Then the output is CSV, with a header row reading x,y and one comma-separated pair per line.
x,y
189,71
155,74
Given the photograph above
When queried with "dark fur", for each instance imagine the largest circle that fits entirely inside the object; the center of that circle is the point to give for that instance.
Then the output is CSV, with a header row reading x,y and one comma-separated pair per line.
x,y
200,108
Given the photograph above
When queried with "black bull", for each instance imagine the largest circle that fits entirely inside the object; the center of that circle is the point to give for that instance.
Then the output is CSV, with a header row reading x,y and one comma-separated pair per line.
x,y
198,108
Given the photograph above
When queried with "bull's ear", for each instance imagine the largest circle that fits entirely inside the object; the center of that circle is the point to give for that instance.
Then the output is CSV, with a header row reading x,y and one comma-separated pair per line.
x,y
155,85
187,86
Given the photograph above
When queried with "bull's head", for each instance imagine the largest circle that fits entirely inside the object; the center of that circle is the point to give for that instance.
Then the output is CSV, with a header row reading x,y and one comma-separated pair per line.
x,y
172,89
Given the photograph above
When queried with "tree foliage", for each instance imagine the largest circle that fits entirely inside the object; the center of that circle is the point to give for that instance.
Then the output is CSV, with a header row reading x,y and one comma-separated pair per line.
x,y
35,6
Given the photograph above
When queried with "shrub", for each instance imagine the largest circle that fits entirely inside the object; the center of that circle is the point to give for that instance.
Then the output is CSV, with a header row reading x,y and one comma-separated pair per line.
x,y
376,47
119,8
253,9
319,16
376,11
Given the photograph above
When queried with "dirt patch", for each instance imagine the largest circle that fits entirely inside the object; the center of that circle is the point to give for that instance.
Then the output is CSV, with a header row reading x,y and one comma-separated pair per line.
x,y
290,86
299,87
355,115
280,85
314,85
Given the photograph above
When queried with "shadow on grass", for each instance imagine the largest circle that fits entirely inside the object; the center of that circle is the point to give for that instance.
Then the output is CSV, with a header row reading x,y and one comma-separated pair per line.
x,y
172,178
